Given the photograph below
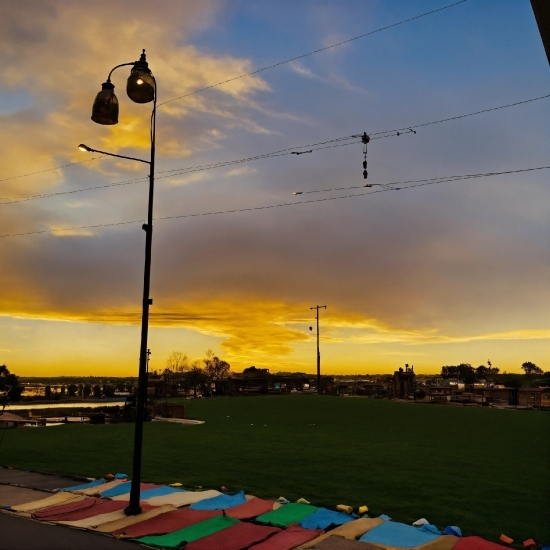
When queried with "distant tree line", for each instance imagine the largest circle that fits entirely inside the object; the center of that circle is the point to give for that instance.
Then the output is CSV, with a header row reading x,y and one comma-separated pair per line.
x,y
83,390
120,382
197,375
464,372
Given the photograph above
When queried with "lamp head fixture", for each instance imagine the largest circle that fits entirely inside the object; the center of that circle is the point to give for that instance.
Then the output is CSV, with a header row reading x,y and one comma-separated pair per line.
x,y
85,148
140,86
105,108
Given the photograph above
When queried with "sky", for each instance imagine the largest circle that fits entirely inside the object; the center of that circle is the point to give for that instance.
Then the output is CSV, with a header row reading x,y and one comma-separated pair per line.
x,y
439,274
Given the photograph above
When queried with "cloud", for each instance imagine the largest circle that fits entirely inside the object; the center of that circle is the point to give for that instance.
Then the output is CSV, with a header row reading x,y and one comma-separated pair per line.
x,y
62,232
405,353
60,62
263,331
79,204
298,68
430,337
525,334
463,264
191,178
331,79
241,171
247,331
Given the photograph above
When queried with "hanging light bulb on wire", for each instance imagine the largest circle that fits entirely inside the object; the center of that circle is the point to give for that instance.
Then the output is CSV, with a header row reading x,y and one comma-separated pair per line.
x,y
365,139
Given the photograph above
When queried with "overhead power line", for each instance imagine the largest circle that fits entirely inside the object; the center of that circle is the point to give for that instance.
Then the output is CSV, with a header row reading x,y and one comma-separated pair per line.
x,y
281,205
282,152
428,181
464,116
12,200
272,66
182,171
266,155
52,169
279,63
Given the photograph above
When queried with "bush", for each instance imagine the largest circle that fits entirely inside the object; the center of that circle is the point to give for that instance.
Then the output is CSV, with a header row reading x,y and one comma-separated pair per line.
x,y
108,390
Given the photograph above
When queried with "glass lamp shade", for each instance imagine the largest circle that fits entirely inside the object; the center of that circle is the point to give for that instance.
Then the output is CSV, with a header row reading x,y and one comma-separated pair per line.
x,y
141,84
105,109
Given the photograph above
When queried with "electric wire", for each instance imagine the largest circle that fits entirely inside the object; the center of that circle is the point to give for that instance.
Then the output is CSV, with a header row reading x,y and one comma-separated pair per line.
x,y
259,71
47,195
199,168
179,171
221,164
281,153
464,116
182,171
280,205
52,169
440,179
278,64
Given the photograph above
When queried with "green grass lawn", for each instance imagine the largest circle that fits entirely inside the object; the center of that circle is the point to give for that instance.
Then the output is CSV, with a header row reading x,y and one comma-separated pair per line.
x,y
484,470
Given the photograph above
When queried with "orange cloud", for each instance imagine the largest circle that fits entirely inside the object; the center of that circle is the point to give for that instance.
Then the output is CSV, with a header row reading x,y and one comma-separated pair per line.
x,y
62,57
466,267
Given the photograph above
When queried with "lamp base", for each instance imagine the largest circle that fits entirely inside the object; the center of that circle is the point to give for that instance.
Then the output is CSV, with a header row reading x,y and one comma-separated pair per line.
x,y
132,510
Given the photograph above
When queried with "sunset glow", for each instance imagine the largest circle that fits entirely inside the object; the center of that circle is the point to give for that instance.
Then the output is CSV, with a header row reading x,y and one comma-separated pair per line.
x,y
433,275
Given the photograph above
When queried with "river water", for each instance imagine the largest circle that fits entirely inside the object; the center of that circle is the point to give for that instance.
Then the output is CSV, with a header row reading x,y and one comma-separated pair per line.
x,y
80,405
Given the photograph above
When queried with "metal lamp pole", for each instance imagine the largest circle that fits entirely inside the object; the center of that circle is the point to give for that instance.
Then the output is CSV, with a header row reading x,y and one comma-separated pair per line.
x,y
141,88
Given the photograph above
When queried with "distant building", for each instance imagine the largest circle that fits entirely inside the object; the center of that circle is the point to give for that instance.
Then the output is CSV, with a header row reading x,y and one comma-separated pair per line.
x,y
157,387
497,395
363,387
404,382
34,390
438,394
259,381
534,397
10,420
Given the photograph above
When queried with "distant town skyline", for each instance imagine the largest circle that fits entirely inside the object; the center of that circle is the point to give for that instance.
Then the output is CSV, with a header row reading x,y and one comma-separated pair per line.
x,y
434,275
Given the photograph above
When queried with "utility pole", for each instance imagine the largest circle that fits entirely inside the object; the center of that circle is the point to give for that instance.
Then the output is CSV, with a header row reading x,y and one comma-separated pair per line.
x,y
317,308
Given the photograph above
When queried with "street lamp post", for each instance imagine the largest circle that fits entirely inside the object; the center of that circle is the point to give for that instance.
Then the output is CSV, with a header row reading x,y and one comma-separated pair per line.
x,y
141,88
318,351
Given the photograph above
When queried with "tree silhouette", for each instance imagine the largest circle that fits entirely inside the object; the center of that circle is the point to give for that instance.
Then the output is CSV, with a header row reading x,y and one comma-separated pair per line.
x,y
177,362
9,384
531,368
196,377
487,373
216,369
463,372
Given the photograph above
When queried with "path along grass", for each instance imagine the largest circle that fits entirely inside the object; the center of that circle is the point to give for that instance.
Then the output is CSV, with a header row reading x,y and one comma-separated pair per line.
x,y
483,470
